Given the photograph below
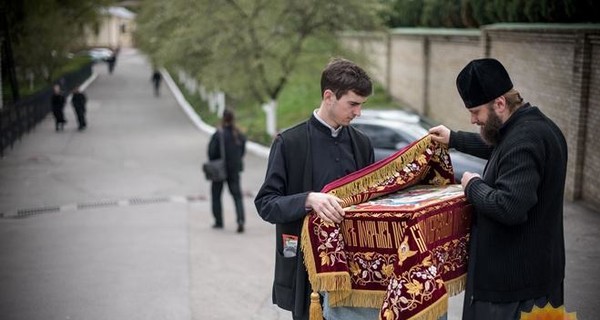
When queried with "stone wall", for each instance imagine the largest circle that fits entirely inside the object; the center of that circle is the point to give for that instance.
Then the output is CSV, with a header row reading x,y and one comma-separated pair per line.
x,y
555,67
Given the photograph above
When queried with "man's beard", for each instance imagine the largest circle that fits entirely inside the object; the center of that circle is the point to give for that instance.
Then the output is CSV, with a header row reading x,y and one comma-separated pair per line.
x,y
490,130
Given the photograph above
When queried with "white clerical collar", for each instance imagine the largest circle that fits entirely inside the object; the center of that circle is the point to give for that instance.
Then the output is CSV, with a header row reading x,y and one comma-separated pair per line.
x,y
334,132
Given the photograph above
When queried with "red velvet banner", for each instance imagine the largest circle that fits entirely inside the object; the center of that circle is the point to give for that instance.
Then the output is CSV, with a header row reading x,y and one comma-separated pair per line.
x,y
402,252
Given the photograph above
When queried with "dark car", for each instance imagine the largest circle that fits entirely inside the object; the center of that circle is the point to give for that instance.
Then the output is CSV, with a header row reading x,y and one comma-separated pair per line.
x,y
392,130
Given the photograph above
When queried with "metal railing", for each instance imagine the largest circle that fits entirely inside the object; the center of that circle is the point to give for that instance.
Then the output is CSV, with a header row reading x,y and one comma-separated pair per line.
x,y
22,116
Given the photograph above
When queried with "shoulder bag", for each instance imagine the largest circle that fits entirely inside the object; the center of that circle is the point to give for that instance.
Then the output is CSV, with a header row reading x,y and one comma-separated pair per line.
x,y
215,170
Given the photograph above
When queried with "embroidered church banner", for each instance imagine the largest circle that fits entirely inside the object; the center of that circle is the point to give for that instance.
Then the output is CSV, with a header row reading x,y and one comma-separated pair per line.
x,y
402,246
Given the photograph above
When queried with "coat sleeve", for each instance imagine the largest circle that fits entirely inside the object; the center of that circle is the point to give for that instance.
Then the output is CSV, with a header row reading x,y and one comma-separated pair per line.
x,y
471,143
243,146
273,201
514,190
214,151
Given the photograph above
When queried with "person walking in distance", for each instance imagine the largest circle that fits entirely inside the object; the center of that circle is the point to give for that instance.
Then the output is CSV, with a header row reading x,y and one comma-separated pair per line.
x,y
58,105
156,80
517,247
235,148
111,61
79,100
303,159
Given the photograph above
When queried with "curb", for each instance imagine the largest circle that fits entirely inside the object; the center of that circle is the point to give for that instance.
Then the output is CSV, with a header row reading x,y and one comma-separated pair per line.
x,y
254,147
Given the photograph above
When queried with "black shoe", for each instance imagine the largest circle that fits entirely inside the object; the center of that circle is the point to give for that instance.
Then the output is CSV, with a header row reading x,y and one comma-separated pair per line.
x,y
217,226
240,228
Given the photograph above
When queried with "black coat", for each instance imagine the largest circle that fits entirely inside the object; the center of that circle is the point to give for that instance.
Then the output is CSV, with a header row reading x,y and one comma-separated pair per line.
x,y
78,101
58,104
281,201
520,251
235,148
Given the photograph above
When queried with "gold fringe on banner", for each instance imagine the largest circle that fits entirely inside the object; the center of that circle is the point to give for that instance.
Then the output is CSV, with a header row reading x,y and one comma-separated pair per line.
x,y
383,174
358,298
456,286
434,311
330,281
376,183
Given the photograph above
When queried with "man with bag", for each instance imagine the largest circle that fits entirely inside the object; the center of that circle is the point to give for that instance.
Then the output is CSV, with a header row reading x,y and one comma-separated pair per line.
x,y
227,143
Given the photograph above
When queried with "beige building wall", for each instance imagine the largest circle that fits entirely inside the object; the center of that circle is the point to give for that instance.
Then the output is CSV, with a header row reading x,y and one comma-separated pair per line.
x,y
115,29
407,69
374,46
443,101
541,68
590,182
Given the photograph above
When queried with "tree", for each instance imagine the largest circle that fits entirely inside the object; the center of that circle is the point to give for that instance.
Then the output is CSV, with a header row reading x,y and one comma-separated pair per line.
x,y
44,32
474,13
246,48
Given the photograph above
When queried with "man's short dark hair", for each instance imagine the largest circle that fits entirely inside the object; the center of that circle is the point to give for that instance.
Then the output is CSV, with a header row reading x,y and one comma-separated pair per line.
x,y
341,76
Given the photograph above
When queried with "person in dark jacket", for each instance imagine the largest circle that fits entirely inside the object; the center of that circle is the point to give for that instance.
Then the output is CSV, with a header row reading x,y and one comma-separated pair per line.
x,y
78,100
58,105
517,250
156,80
235,148
111,61
303,159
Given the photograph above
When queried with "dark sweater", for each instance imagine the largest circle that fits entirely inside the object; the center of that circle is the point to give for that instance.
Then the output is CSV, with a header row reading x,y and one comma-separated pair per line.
x,y
519,208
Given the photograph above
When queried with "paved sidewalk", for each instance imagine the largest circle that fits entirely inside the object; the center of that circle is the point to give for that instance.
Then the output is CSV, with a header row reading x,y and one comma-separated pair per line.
x,y
114,222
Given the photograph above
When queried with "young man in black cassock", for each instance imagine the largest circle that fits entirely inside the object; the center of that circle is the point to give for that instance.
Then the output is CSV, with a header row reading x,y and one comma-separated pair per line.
x,y
302,161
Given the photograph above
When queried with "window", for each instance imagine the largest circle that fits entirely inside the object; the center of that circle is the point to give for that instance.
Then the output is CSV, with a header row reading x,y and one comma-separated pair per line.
x,y
381,137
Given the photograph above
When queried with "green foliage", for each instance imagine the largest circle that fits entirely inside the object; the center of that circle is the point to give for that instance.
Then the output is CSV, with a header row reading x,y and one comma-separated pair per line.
x,y
38,84
247,48
43,32
474,13
403,13
441,13
296,103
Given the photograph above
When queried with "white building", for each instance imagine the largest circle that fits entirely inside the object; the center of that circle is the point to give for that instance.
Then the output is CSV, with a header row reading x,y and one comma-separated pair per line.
x,y
114,30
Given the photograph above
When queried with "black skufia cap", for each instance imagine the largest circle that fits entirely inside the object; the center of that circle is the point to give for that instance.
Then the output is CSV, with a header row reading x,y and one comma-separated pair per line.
x,y
481,81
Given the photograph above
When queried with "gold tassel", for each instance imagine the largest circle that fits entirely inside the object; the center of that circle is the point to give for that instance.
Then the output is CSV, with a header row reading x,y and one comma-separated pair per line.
x,y
316,312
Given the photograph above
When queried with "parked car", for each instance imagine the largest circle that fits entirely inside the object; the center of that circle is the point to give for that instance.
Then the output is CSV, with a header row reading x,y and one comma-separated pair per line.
x,y
392,130
100,54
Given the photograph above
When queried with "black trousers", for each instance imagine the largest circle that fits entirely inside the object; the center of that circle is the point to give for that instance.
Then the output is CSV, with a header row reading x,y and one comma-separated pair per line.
x,y
233,183
59,117
80,112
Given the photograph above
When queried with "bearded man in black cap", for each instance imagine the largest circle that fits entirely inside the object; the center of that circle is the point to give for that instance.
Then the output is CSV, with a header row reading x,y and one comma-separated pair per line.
x,y
517,251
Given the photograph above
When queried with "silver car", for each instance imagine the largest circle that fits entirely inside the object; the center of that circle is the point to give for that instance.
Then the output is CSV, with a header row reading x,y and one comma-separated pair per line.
x,y
392,130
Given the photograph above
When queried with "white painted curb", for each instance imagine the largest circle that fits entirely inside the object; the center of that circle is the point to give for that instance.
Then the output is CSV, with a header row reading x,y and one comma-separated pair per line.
x,y
254,147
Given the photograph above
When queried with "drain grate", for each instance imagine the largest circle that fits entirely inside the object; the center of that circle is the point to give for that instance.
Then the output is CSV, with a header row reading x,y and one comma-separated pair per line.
x,y
30,212
97,204
23,213
137,201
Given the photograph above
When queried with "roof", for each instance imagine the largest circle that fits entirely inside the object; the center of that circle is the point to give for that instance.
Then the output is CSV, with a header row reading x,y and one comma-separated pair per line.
x,y
120,12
